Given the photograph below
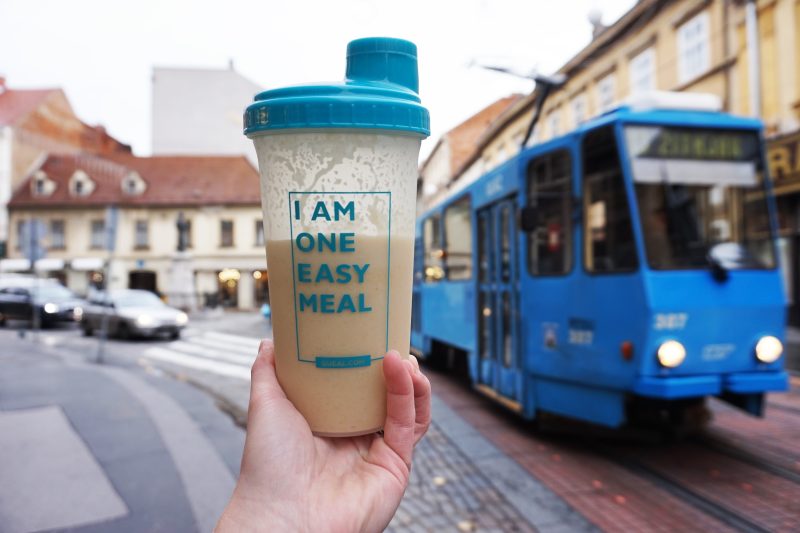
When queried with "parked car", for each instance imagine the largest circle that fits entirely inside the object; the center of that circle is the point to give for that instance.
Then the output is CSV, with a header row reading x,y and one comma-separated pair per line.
x,y
132,313
53,302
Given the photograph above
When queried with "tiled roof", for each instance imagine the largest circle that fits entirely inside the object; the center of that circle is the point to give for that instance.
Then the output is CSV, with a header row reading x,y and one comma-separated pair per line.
x,y
17,104
463,139
170,180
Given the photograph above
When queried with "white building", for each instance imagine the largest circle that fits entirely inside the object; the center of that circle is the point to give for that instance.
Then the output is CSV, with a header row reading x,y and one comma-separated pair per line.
x,y
199,111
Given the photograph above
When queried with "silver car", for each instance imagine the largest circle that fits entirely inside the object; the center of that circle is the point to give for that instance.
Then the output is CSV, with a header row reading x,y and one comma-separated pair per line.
x,y
132,313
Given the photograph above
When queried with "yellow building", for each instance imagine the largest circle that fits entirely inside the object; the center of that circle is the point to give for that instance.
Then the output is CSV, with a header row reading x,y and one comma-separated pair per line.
x,y
218,198
684,45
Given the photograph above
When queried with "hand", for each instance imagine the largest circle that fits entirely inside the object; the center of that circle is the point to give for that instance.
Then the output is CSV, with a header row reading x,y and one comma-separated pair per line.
x,y
293,481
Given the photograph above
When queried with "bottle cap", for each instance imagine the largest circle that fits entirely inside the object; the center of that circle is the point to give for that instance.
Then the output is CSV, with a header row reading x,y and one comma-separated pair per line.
x,y
379,92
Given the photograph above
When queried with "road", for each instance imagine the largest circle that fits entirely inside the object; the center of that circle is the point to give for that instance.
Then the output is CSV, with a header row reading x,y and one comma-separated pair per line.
x,y
482,468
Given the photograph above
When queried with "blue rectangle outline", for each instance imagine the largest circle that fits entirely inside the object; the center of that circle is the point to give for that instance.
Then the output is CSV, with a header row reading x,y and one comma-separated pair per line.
x,y
294,281
365,358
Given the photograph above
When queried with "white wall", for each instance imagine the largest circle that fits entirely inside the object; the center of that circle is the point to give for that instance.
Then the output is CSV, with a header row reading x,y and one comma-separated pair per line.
x,y
199,111
5,178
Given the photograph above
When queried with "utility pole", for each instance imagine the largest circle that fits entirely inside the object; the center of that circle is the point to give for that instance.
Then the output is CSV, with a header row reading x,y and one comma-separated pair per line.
x,y
32,247
112,214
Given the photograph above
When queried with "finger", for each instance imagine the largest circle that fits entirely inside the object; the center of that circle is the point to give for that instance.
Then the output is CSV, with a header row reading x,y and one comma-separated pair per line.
x,y
398,431
422,405
264,384
415,363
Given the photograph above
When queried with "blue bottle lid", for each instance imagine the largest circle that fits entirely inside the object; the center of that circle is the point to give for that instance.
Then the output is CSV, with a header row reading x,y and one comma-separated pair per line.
x,y
379,92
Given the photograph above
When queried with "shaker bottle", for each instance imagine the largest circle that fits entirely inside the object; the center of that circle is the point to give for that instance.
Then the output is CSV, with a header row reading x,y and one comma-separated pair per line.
x,y
338,164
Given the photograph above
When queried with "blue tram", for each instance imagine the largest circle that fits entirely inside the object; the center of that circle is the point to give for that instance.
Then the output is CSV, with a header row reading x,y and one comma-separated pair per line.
x,y
627,268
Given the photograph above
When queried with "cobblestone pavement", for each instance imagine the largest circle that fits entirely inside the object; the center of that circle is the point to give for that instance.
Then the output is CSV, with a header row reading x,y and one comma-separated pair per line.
x,y
447,492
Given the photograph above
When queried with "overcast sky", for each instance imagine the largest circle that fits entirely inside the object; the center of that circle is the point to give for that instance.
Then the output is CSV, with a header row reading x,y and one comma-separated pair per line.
x,y
102,51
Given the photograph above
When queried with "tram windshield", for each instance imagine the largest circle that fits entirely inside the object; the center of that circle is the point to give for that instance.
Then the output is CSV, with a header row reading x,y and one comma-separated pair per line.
x,y
701,198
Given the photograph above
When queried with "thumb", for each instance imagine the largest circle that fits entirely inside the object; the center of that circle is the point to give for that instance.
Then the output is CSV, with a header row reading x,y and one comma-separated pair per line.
x,y
398,430
264,386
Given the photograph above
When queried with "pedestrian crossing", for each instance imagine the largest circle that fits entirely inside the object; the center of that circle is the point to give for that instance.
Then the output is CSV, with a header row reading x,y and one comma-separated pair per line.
x,y
209,351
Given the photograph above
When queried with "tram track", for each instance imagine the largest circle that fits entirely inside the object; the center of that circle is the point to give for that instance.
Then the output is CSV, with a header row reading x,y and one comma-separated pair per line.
x,y
684,493
784,408
718,445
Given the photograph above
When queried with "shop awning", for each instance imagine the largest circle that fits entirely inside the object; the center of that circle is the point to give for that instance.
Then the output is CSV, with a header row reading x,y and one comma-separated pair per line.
x,y
49,264
86,263
14,265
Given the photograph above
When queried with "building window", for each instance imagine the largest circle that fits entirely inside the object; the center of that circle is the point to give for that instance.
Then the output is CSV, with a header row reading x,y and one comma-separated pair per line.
x,y
434,252
57,241
80,184
259,233
608,233
21,234
605,93
226,234
98,237
693,47
643,71
458,240
141,239
132,184
578,106
550,193
553,124
39,186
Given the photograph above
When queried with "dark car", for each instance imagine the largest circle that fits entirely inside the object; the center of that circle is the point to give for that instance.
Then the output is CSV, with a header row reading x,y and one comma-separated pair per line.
x,y
53,302
132,313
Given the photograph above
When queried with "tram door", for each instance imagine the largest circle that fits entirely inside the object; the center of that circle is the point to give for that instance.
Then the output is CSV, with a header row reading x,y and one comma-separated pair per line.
x,y
498,300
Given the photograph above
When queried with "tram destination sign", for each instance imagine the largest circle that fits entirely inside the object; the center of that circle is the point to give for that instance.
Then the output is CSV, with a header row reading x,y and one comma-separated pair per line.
x,y
691,144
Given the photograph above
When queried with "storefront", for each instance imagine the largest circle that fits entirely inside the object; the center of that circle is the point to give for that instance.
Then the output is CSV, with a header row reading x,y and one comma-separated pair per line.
x,y
783,154
261,287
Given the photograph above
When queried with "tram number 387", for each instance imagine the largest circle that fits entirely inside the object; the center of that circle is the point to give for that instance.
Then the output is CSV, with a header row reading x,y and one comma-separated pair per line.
x,y
670,321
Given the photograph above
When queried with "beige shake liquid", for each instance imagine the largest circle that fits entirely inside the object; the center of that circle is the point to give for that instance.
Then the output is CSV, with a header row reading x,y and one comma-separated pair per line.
x,y
340,318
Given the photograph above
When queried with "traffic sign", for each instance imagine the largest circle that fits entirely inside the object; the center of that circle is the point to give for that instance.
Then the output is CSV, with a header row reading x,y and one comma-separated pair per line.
x,y
32,236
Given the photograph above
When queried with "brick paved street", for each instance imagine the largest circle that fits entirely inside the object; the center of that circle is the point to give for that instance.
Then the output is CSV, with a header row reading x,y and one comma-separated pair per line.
x,y
623,482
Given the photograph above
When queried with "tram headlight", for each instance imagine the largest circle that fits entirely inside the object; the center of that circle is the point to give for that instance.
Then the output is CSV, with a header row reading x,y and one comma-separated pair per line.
x,y
671,354
768,349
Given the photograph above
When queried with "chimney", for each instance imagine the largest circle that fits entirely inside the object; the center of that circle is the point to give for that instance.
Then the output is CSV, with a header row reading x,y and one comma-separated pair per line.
x,y
596,20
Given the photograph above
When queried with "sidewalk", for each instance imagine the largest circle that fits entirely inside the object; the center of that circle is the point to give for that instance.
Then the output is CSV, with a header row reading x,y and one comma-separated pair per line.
x,y
95,448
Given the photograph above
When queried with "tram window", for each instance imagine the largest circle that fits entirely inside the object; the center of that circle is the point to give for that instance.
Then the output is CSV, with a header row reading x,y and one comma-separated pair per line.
x,y
484,243
458,240
434,253
609,245
550,193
